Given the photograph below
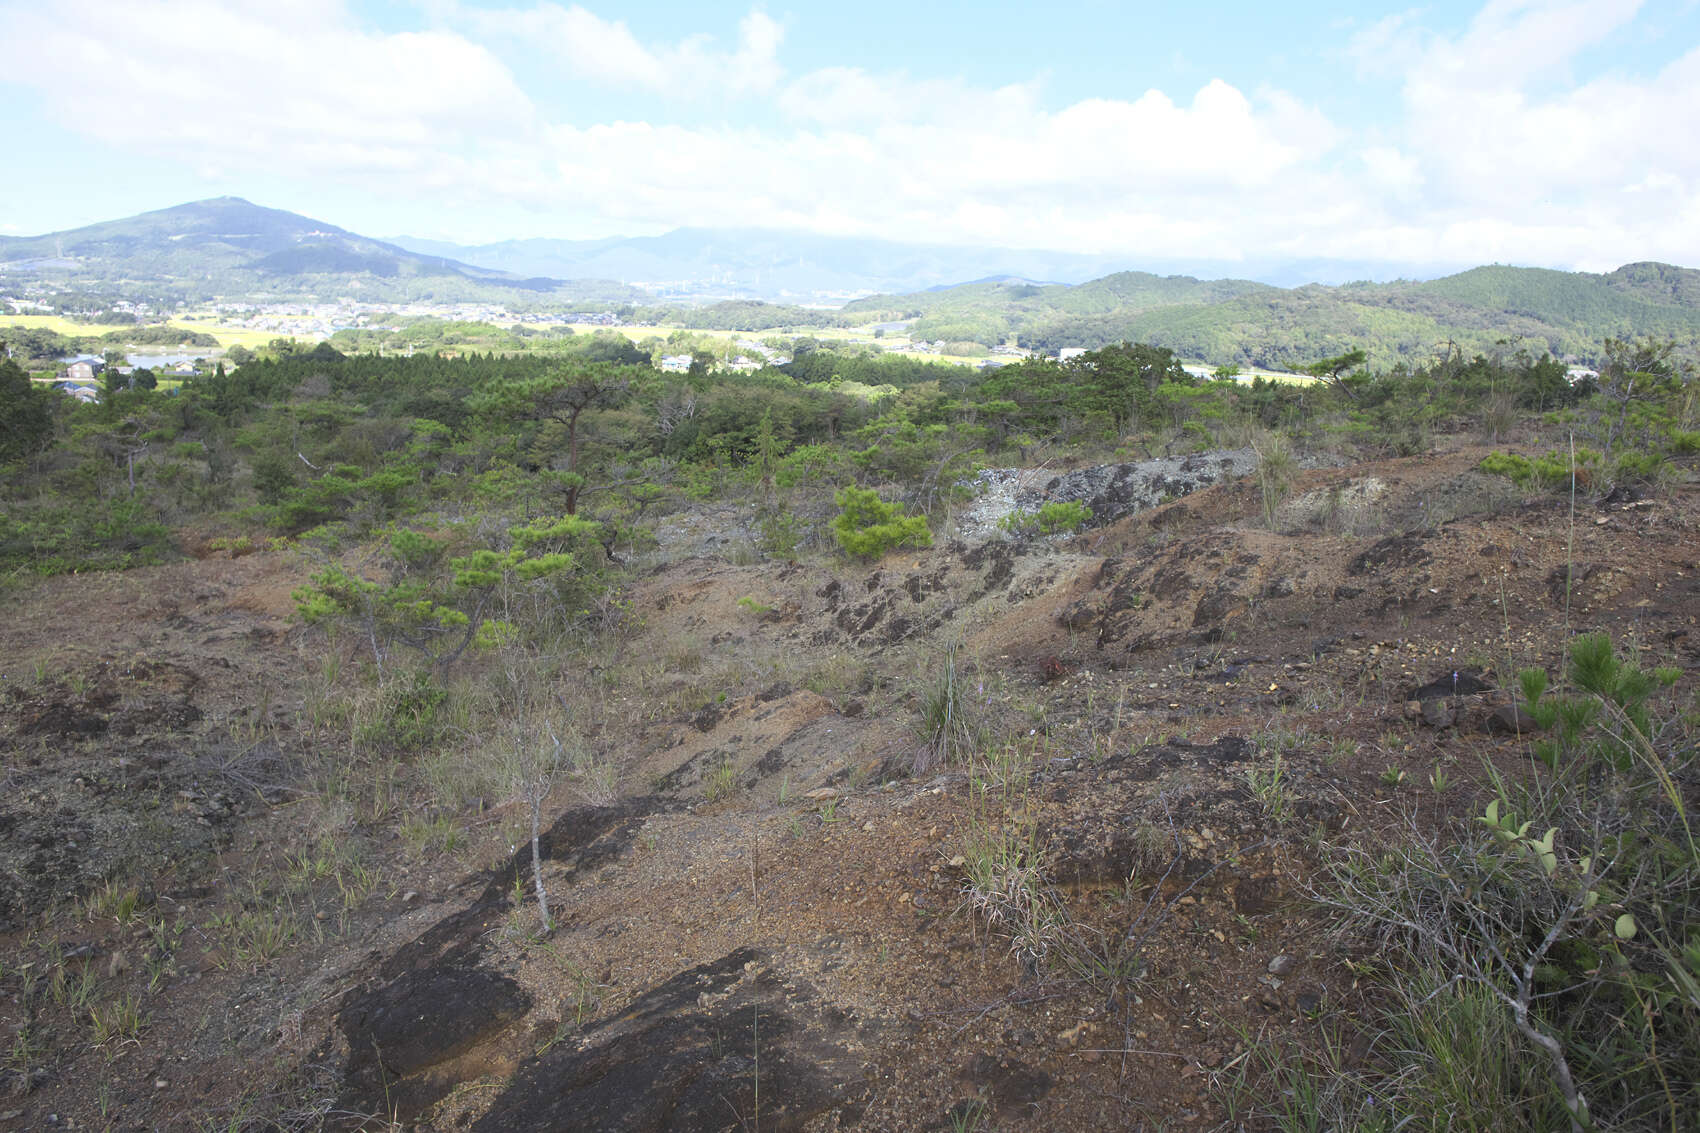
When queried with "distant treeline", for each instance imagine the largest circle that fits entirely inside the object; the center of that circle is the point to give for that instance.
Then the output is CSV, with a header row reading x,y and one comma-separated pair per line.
x,y
744,314
1238,322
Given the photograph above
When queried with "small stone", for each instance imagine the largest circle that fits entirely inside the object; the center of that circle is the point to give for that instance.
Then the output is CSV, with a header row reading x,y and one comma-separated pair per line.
x,y
1436,714
160,1084
409,897
1282,964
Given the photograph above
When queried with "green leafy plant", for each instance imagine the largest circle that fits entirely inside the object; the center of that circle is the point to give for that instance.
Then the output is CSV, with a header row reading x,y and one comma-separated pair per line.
x,y
868,527
1057,517
1542,970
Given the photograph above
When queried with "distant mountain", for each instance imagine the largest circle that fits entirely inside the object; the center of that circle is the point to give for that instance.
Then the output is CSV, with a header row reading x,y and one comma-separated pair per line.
x,y
1243,322
697,264
232,249
227,247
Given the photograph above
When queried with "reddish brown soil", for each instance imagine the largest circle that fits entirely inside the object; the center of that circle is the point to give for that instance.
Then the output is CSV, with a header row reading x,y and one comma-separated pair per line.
x,y
770,918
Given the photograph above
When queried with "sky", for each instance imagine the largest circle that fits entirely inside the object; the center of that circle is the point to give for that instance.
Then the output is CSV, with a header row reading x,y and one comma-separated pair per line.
x,y
1559,133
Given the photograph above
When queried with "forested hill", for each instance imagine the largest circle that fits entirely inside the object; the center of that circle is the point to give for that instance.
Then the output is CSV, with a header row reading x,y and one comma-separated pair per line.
x,y
1238,322
228,247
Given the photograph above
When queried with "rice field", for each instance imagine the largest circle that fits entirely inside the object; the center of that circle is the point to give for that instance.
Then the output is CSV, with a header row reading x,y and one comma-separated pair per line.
x,y
227,336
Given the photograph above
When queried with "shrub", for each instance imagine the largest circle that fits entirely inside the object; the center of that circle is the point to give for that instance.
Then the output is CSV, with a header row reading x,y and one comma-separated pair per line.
x,y
868,527
1055,518
1551,473
1276,465
1558,925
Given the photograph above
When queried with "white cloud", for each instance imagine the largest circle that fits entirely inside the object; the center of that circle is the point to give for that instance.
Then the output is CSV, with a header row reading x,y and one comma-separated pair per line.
x,y
1523,162
1496,149
600,50
298,87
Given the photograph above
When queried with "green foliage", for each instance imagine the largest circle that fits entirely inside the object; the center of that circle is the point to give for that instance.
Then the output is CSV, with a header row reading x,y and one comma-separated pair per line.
x,y
1552,472
441,610
409,715
1057,517
867,526
1541,967
26,414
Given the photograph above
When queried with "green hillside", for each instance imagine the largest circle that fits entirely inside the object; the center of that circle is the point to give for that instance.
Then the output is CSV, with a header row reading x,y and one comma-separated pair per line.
x,y
1238,322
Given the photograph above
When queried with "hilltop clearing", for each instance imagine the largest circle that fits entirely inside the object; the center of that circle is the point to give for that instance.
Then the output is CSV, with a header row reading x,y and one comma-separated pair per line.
x,y
789,888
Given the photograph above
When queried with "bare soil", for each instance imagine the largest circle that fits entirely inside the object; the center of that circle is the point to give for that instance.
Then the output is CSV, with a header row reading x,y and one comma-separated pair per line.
x,y
767,927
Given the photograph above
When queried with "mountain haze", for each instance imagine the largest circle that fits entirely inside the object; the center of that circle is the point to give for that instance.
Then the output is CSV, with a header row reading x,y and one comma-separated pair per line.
x,y
229,247
711,263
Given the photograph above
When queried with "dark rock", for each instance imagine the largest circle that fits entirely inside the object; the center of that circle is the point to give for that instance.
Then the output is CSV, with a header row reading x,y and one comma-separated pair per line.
x,y
1255,895
684,1056
1436,714
1395,551
1079,615
424,1018
1453,682
1007,1081
1511,719
1568,580
705,718
1218,605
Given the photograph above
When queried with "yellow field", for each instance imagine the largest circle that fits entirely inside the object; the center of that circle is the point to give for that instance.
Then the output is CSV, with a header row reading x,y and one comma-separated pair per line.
x,y
55,323
227,336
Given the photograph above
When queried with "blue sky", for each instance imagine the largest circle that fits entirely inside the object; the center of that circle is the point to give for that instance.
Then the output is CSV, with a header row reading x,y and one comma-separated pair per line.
x,y
1525,131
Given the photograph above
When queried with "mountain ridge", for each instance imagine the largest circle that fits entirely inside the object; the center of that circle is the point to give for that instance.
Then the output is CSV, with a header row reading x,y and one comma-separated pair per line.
x,y
229,245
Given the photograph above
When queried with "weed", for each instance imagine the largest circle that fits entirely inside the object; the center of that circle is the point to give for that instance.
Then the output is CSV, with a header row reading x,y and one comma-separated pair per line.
x,y
1271,791
948,733
112,901
1276,465
304,869
1003,882
968,1116
116,1021
355,883
255,938
722,782
431,834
